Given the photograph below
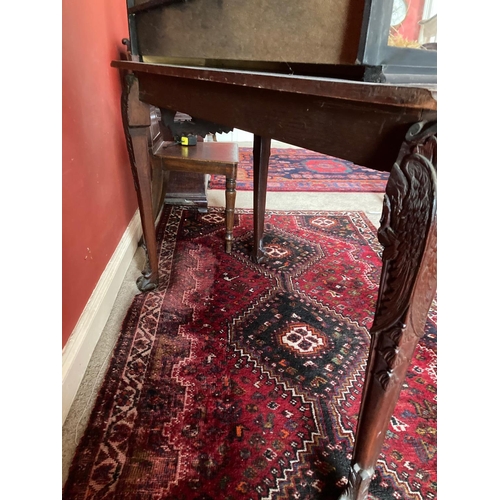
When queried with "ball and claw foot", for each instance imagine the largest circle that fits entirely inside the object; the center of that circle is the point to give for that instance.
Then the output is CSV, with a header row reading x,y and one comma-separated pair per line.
x,y
144,282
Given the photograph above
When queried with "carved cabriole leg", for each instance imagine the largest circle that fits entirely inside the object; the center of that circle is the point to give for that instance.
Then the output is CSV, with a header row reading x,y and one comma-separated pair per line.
x,y
407,288
136,123
261,153
230,204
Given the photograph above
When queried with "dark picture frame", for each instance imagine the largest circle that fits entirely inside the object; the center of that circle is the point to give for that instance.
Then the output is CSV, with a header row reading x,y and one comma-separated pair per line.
x,y
388,63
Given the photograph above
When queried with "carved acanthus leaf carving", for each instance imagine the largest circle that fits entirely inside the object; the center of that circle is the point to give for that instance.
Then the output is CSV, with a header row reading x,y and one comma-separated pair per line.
x,y
409,210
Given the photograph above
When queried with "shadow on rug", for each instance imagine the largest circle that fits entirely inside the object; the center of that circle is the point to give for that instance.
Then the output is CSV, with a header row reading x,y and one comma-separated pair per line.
x,y
294,169
235,380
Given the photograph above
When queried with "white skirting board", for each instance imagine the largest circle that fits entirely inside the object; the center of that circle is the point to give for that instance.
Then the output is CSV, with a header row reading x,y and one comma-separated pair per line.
x,y
81,344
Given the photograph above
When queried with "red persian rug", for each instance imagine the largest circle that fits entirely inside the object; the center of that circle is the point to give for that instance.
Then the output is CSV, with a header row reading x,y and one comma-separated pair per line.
x,y
293,169
235,380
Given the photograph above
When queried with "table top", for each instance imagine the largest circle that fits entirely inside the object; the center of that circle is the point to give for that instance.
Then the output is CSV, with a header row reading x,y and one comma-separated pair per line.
x,y
402,95
362,122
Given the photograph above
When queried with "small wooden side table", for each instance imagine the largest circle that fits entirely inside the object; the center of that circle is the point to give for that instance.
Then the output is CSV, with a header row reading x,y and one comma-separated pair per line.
x,y
214,158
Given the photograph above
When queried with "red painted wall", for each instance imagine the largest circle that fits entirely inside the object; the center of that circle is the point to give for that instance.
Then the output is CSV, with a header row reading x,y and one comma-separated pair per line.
x,y
98,199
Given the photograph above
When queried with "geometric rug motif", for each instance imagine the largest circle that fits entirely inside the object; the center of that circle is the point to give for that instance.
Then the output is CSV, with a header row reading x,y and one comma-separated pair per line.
x,y
240,380
297,169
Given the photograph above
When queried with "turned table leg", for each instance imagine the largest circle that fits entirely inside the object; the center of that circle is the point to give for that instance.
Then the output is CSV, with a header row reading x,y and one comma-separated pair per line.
x,y
136,123
407,288
261,153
